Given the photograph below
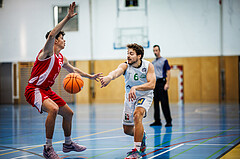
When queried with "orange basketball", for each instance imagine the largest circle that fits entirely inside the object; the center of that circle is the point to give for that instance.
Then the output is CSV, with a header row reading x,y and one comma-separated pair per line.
x,y
73,83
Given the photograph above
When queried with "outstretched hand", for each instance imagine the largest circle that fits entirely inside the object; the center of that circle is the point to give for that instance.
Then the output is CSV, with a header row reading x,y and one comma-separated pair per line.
x,y
96,77
71,10
105,81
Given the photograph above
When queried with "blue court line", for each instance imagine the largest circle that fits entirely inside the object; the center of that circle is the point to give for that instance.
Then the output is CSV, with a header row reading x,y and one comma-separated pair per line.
x,y
187,142
179,137
147,139
22,150
60,141
223,148
201,143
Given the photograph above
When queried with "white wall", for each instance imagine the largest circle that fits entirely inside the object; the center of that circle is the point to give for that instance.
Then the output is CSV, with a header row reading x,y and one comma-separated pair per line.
x,y
24,24
182,28
231,27
185,28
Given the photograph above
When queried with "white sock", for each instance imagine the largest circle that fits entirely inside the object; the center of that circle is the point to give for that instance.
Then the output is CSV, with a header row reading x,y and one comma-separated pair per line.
x,y
68,140
48,142
137,145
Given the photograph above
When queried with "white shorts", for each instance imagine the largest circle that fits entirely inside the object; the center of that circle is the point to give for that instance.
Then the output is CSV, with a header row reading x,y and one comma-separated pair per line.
x,y
129,107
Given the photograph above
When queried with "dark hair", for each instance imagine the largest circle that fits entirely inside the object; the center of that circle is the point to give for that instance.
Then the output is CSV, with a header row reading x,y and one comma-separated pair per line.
x,y
138,48
157,46
56,37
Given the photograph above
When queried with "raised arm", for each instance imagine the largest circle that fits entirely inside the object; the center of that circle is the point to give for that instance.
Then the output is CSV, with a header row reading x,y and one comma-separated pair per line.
x,y
72,69
113,75
48,47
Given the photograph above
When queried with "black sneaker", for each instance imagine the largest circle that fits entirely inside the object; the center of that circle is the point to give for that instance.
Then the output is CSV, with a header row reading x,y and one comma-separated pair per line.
x,y
168,125
156,124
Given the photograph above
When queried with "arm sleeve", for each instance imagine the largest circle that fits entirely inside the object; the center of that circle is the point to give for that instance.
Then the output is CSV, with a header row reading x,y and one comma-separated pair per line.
x,y
166,65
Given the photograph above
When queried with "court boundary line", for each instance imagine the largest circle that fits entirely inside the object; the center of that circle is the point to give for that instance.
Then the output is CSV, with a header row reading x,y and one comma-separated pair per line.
x,y
148,139
151,147
57,142
62,141
177,132
207,139
229,149
187,142
110,131
33,153
166,151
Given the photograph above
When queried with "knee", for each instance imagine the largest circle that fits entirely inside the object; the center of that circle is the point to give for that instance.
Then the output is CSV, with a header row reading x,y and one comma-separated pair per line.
x,y
137,117
70,114
54,111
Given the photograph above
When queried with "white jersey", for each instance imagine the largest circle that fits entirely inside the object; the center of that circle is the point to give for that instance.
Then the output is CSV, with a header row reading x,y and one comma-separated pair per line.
x,y
137,76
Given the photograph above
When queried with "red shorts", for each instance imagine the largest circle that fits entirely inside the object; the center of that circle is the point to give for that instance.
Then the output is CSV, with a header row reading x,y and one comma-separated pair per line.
x,y
35,96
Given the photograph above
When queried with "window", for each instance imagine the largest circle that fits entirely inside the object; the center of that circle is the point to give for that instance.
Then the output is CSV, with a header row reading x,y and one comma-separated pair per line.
x,y
60,12
131,3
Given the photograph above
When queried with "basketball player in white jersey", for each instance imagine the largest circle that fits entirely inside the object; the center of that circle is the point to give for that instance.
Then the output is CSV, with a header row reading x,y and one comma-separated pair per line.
x,y
139,84
39,94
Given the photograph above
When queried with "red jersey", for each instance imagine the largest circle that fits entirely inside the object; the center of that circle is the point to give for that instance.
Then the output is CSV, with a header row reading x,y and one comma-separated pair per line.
x,y
44,72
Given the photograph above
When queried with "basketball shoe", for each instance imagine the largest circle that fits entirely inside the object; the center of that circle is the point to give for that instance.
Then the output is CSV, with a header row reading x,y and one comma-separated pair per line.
x,y
49,153
143,144
134,154
73,147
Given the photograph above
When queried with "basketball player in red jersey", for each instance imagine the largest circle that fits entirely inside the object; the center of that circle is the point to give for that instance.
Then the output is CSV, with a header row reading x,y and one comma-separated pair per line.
x,y
39,93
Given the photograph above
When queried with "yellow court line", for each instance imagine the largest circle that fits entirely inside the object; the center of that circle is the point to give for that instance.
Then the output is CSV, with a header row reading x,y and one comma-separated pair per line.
x,y
62,141
233,154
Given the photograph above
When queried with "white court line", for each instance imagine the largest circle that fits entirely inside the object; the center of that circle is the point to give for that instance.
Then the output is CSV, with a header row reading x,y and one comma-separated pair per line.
x,y
113,137
199,144
58,152
103,138
18,148
186,132
120,148
126,148
23,147
25,156
166,151
101,149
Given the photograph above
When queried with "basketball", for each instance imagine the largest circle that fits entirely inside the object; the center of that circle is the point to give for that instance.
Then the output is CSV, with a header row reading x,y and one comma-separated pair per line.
x,y
73,83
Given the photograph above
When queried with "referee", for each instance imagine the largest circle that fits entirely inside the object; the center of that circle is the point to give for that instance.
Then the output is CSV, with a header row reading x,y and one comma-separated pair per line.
x,y
162,71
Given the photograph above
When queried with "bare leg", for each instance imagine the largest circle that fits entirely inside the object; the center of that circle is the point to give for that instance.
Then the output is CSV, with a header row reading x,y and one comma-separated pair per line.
x,y
139,130
51,108
67,114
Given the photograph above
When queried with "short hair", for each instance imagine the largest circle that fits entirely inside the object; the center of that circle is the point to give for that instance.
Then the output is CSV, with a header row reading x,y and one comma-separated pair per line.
x,y
157,46
56,37
138,48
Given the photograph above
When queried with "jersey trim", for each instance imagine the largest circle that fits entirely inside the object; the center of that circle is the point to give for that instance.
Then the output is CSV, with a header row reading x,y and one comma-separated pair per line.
x,y
44,76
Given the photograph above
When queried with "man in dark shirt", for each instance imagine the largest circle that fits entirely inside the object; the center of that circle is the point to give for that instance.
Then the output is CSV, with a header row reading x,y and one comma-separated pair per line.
x,y
162,71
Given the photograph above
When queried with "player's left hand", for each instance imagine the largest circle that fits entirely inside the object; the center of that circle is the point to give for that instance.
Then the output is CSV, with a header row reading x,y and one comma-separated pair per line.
x,y
71,10
132,94
96,77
